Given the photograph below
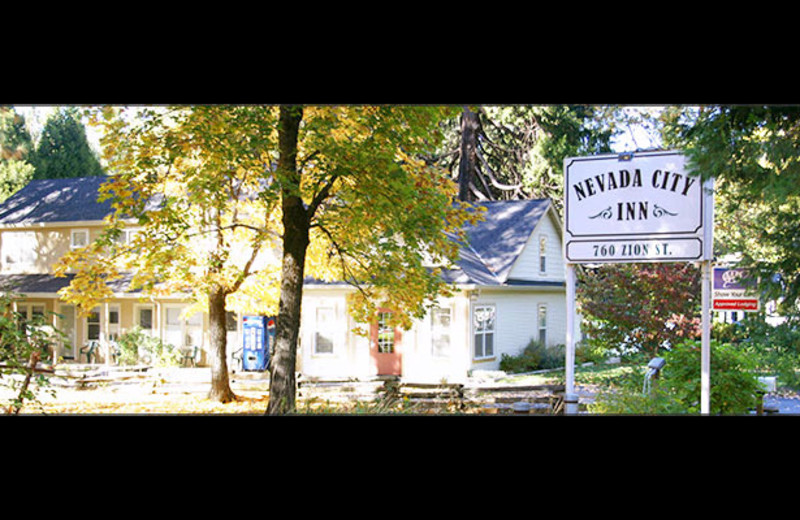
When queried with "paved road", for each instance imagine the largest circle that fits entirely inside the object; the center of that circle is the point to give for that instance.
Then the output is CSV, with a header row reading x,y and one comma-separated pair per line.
x,y
785,405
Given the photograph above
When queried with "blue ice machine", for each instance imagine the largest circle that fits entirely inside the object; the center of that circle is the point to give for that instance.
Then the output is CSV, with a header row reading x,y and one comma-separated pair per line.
x,y
256,342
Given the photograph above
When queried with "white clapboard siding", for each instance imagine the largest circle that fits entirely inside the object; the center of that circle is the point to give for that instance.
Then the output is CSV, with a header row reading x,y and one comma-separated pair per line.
x,y
527,266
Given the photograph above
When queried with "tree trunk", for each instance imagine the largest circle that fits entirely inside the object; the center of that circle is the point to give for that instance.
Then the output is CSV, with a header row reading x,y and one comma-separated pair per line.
x,y
220,384
469,144
295,242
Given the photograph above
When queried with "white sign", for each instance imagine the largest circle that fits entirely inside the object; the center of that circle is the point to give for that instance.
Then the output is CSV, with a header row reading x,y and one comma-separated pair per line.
x,y
638,207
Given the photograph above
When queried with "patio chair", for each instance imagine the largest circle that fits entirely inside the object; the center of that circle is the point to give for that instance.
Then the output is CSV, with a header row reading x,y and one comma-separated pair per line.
x,y
89,350
191,356
115,350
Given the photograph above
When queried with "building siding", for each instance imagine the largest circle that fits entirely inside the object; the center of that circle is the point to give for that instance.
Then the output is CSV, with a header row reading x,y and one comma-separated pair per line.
x,y
527,265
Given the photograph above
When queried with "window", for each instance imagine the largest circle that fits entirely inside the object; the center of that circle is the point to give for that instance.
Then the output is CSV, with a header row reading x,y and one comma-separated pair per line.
x,y
542,254
78,238
385,333
93,324
29,311
542,324
182,331
484,317
323,337
440,331
231,321
144,318
113,322
19,248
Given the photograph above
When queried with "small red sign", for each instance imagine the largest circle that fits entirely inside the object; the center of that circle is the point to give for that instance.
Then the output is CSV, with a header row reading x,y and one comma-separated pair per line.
x,y
736,305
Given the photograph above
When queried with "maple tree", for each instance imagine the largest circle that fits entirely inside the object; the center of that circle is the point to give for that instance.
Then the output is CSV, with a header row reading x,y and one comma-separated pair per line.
x,y
238,205
642,307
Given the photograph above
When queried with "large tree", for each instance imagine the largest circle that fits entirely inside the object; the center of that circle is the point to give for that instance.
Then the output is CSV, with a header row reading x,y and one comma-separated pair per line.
x,y
63,149
754,154
195,183
324,192
354,192
639,307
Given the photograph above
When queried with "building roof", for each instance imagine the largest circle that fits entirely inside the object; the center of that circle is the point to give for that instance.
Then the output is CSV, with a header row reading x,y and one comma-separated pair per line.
x,y
48,284
55,200
496,242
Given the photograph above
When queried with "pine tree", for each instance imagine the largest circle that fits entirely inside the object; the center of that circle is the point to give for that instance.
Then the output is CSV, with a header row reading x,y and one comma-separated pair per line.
x,y
63,150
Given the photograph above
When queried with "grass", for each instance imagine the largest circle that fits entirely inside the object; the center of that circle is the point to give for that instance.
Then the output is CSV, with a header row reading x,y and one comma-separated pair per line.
x,y
592,375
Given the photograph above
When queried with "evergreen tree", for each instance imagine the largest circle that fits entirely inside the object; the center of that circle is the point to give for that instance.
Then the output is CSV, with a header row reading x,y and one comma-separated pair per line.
x,y
517,151
63,150
15,148
754,154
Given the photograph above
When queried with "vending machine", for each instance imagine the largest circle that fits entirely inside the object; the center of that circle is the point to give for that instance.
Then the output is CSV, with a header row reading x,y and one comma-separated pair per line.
x,y
256,343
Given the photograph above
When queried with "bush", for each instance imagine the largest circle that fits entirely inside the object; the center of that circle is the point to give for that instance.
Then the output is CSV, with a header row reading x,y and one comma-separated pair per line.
x,y
776,349
534,356
137,347
734,384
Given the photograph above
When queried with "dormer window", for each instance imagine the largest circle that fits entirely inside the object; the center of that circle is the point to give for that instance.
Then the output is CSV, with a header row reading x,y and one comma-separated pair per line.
x,y
79,238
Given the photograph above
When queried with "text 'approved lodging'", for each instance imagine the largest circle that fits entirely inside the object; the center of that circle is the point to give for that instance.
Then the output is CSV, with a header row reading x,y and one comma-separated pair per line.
x,y
640,207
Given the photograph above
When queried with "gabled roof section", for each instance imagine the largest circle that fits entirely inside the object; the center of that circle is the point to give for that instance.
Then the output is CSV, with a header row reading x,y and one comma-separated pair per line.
x,y
496,242
56,200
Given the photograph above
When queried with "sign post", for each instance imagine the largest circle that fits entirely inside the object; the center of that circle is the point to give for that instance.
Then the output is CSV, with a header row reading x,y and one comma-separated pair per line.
x,y
635,207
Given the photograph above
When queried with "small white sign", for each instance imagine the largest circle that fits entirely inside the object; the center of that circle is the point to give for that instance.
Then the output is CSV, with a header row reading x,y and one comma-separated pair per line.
x,y
639,207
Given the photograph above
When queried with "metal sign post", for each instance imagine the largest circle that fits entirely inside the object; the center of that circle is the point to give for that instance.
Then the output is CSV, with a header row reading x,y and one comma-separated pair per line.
x,y
636,207
570,397
705,342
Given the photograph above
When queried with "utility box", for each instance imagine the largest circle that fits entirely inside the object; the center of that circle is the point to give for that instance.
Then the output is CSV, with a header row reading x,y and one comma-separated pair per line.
x,y
256,343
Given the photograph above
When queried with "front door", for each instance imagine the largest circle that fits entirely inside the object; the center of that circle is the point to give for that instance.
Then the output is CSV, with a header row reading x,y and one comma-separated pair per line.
x,y
385,346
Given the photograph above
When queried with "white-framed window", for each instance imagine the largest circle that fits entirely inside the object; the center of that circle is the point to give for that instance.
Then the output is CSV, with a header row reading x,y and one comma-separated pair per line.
x,y
29,310
385,338
127,234
484,318
78,238
93,324
542,321
180,331
325,326
19,249
144,316
543,254
440,331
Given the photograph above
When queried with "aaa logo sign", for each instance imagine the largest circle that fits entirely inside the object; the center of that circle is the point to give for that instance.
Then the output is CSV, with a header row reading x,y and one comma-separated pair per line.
x,y
734,291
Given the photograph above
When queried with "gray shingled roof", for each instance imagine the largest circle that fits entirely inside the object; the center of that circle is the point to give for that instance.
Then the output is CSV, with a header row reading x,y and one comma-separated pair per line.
x,y
55,200
494,244
48,283
497,241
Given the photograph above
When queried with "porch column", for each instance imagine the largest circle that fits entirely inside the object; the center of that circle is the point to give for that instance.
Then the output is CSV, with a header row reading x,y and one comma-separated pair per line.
x,y
104,336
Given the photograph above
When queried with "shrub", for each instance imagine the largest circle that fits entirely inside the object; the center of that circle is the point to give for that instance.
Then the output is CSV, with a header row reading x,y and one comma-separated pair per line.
x,y
534,356
734,384
137,347
776,349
